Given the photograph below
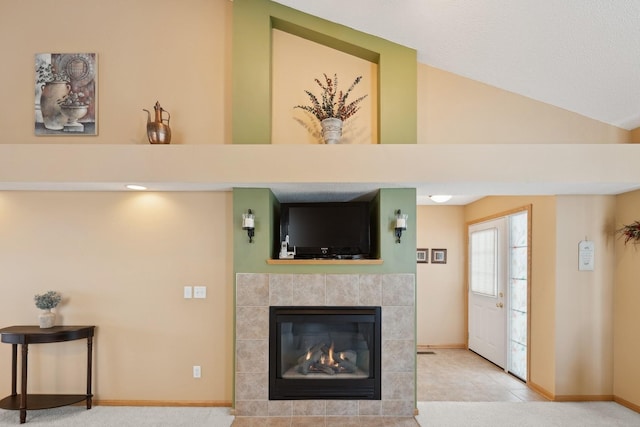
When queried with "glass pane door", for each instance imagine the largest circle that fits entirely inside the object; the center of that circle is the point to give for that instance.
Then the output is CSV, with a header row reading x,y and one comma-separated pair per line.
x,y
484,279
519,263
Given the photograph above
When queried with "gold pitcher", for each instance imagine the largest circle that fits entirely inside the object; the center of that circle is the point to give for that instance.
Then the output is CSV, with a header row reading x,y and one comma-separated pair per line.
x,y
158,131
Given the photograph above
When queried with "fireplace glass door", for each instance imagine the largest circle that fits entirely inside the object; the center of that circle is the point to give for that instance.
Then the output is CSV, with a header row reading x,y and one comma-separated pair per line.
x,y
324,353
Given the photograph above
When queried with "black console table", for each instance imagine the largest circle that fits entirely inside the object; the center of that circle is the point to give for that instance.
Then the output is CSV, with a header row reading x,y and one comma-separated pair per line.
x,y
25,335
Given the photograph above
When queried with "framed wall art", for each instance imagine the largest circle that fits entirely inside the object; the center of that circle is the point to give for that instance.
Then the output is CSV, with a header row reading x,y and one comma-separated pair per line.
x,y
66,94
438,256
422,255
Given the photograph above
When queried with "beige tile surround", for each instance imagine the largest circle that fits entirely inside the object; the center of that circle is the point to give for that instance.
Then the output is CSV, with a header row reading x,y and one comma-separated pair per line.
x,y
395,293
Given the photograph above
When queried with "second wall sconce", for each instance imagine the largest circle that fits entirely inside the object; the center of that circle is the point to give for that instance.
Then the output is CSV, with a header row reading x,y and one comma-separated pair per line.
x,y
249,224
400,224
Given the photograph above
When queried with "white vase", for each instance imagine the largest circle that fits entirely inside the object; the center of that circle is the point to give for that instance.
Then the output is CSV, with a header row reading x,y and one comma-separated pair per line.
x,y
74,112
331,130
52,95
47,319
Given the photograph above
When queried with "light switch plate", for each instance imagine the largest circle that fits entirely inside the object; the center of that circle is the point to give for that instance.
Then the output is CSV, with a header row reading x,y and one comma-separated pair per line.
x,y
188,292
199,291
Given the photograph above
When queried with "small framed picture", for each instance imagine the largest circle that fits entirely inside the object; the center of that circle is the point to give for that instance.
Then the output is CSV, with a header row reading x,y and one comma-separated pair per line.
x,y
66,92
438,256
422,255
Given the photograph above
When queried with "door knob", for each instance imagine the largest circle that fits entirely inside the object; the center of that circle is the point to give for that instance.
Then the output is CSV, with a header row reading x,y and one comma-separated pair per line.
x,y
499,305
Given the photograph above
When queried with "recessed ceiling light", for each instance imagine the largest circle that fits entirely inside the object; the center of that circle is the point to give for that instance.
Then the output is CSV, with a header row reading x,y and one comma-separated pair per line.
x,y
440,198
136,187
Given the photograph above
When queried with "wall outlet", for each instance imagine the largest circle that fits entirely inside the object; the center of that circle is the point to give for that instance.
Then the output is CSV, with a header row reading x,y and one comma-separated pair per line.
x,y
188,292
199,291
196,371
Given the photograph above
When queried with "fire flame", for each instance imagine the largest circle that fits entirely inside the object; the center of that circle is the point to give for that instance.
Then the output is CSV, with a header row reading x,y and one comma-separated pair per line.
x,y
331,361
320,359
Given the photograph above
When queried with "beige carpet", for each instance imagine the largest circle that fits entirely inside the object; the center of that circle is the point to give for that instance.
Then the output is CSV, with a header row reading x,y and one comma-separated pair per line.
x,y
526,414
432,414
120,416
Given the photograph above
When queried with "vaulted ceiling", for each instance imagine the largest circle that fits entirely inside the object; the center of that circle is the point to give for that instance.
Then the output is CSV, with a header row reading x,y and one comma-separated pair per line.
x,y
579,55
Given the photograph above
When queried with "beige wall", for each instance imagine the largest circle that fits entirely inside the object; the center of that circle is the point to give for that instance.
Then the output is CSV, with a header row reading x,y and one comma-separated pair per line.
x,y
120,261
542,368
110,252
455,110
441,287
584,299
573,312
635,136
296,63
626,317
148,50
571,345
179,54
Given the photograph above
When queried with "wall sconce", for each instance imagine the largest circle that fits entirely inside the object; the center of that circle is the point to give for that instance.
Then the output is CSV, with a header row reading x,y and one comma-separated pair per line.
x,y
249,224
400,224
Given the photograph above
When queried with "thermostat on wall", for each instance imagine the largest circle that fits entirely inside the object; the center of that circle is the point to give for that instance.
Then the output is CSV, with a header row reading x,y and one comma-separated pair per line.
x,y
586,255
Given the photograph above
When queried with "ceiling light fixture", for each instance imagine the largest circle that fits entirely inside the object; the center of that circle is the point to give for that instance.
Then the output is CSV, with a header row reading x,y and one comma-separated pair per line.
x,y
136,187
440,198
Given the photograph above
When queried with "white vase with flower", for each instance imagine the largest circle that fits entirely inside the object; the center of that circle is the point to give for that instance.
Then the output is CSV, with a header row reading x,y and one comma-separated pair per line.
x,y
332,107
46,302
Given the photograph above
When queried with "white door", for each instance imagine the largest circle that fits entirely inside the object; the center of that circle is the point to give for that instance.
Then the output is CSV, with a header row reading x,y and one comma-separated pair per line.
x,y
487,275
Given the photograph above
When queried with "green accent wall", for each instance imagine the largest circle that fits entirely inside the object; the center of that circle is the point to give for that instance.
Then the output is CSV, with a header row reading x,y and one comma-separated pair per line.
x,y
253,21
252,257
247,256
399,257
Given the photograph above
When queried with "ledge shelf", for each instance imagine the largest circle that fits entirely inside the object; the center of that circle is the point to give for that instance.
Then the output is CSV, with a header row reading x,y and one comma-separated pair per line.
x,y
324,261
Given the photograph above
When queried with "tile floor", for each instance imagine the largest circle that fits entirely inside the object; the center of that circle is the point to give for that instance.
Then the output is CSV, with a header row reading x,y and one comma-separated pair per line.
x,y
457,375
446,375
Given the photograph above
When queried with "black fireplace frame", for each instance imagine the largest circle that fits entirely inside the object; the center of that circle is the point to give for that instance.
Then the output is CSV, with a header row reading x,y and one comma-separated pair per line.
x,y
334,389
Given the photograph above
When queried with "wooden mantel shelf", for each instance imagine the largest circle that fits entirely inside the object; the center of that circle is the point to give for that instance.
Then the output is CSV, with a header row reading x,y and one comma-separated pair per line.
x,y
324,261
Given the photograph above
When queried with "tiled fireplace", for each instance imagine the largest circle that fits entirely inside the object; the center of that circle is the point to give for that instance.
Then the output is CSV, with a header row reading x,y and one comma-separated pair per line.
x,y
393,293
324,352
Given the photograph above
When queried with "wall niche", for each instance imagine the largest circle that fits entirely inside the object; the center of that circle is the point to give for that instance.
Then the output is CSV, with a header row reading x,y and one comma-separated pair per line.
x,y
253,24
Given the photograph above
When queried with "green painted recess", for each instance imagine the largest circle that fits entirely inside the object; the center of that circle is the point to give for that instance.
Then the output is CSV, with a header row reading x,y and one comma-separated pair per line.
x,y
248,256
400,256
253,21
252,257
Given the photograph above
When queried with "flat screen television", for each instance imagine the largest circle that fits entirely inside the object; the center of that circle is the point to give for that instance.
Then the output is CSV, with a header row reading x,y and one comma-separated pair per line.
x,y
334,230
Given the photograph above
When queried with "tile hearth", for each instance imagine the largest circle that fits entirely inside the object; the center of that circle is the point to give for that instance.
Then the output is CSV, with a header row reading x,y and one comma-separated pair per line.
x,y
256,292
